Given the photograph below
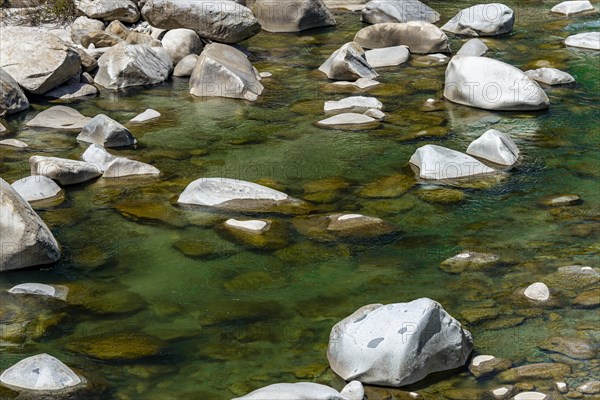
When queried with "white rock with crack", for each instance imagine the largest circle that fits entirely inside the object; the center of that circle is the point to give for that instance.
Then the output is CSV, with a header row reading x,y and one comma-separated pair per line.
x,y
437,162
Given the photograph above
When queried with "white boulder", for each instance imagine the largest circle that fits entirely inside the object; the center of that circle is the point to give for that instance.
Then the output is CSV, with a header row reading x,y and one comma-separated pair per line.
x,y
586,40
62,170
109,10
353,391
59,117
381,11
40,289
490,19
473,47
397,344
348,63
490,84
224,71
39,61
572,7
121,167
387,56
437,162
353,104
294,391
537,291
180,43
217,192
126,65
495,146
146,116
106,132
420,37
255,225
292,15
41,372
550,76
36,187
531,396
26,241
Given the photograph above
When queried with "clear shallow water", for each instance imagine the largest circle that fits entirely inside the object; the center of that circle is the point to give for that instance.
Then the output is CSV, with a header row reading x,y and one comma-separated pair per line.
x,y
244,319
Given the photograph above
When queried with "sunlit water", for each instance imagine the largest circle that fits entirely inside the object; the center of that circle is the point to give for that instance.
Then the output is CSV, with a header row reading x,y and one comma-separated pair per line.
x,y
244,319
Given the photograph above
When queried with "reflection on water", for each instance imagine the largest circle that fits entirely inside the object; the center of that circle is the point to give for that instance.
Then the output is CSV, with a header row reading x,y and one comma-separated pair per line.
x,y
226,319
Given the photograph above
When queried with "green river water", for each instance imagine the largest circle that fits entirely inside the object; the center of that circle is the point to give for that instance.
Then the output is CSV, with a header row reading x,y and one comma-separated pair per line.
x,y
234,319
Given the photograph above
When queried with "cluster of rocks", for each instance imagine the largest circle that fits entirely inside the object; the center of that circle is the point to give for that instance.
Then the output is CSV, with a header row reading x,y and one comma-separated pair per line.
x,y
353,112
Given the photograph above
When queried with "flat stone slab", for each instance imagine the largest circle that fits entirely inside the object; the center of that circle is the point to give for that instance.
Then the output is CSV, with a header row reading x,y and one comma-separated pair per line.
x,y
36,187
65,171
550,76
41,372
59,117
146,116
587,40
572,7
13,143
361,83
217,191
387,56
349,120
354,104
40,289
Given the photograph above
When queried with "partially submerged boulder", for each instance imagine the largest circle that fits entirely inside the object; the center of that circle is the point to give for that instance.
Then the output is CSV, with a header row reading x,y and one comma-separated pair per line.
x,y
387,56
219,20
40,373
115,167
292,15
62,170
223,71
572,7
473,47
296,391
348,63
482,20
106,132
355,104
26,240
397,344
59,117
420,37
495,146
438,163
39,61
381,11
349,120
36,188
256,233
550,76
490,84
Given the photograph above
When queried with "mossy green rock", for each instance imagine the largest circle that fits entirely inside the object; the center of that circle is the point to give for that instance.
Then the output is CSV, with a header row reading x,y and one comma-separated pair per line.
x,y
122,346
440,195
588,299
204,249
470,261
104,298
274,235
142,211
328,190
388,186
475,315
343,226
535,371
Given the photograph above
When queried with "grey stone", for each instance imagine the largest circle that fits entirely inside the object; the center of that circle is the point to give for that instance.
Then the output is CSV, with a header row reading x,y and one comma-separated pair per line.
x,y
420,37
381,11
437,162
65,171
185,67
292,15
41,372
106,132
12,98
59,117
109,10
348,63
495,146
482,20
180,43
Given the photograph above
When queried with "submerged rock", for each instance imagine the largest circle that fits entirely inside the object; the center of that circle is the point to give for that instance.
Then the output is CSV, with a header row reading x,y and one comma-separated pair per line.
x,y
535,371
495,146
440,195
65,171
106,132
436,162
26,240
550,76
260,234
589,387
38,373
586,40
12,98
490,84
224,71
36,187
588,299
348,63
420,37
358,226
381,11
484,365
39,61
482,20
219,20
398,341
470,261
121,346
292,15
59,117
578,348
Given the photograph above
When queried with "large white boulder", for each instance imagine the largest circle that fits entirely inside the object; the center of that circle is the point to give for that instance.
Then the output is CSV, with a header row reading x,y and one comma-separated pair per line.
x,y
572,7
354,104
59,117
126,65
348,63
397,344
490,84
62,170
437,162
109,10
106,132
220,20
36,187
224,71
39,61
420,37
215,192
292,15
586,40
495,146
380,11
387,56
41,372
294,391
482,20
12,98
550,76
180,43
26,240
